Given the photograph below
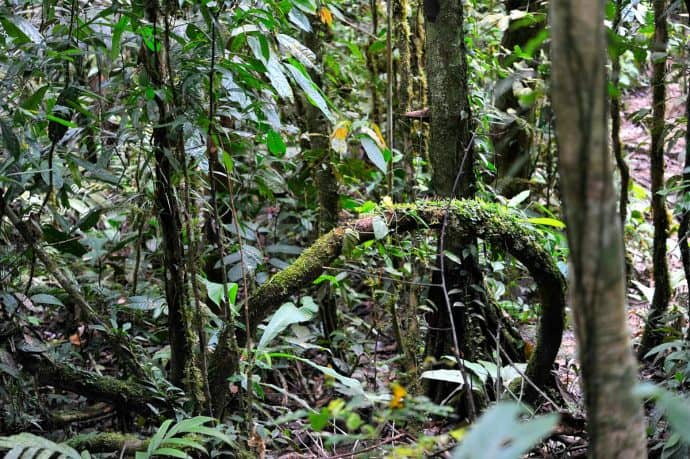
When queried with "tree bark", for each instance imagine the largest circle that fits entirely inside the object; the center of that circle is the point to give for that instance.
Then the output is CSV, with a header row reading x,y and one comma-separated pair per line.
x,y
684,227
597,281
662,290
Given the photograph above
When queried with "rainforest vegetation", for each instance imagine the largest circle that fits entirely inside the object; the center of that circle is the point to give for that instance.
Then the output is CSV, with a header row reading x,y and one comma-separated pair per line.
x,y
336,228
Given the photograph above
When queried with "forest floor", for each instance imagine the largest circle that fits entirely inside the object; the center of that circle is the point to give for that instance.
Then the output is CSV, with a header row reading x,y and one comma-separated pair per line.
x,y
635,138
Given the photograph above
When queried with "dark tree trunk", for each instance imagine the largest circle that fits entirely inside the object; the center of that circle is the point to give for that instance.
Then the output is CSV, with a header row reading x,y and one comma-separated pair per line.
x,y
662,289
684,227
167,145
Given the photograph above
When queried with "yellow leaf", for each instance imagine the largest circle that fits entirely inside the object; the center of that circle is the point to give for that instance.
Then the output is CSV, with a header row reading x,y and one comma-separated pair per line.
x,y
387,202
399,393
381,140
326,16
340,133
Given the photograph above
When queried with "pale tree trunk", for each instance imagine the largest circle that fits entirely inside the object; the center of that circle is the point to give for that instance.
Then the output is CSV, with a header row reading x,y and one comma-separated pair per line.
x,y
597,281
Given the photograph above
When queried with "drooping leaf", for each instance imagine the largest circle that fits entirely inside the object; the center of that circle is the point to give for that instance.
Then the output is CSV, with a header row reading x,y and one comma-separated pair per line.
x,y
374,153
310,89
296,49
285,316
274,69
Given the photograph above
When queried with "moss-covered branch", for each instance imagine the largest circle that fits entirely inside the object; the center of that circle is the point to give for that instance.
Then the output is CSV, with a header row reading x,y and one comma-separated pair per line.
x,y
494,223
129,395
108,442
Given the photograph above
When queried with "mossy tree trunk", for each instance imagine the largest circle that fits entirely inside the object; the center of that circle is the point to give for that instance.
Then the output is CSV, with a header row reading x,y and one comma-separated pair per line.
x,y
460,301
662,289
597,280
168,150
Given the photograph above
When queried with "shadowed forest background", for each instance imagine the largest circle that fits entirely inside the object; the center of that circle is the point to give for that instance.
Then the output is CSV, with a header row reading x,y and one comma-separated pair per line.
x,y
332,229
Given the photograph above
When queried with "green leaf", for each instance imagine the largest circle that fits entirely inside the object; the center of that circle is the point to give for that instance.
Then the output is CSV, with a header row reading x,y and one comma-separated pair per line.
x,y
216,291
118,29
171,452
34,100
285,316
21,30
28,441
44,298
275,143
57,119
319,421
374,153
546,222
310,89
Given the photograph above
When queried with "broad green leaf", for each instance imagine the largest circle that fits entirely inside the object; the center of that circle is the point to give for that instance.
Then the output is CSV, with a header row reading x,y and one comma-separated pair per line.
x,y
34,100
275,143
21,30
285,316
310,89
453,376
676,409
26,440
171,452
216,292
274,69
546,221
44,298
61,121
319,421
186,424
374,153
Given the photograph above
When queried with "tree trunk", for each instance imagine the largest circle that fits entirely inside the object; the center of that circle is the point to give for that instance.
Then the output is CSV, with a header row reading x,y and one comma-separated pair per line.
x,y
662,289
597,281
460,302
684,227
167,144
